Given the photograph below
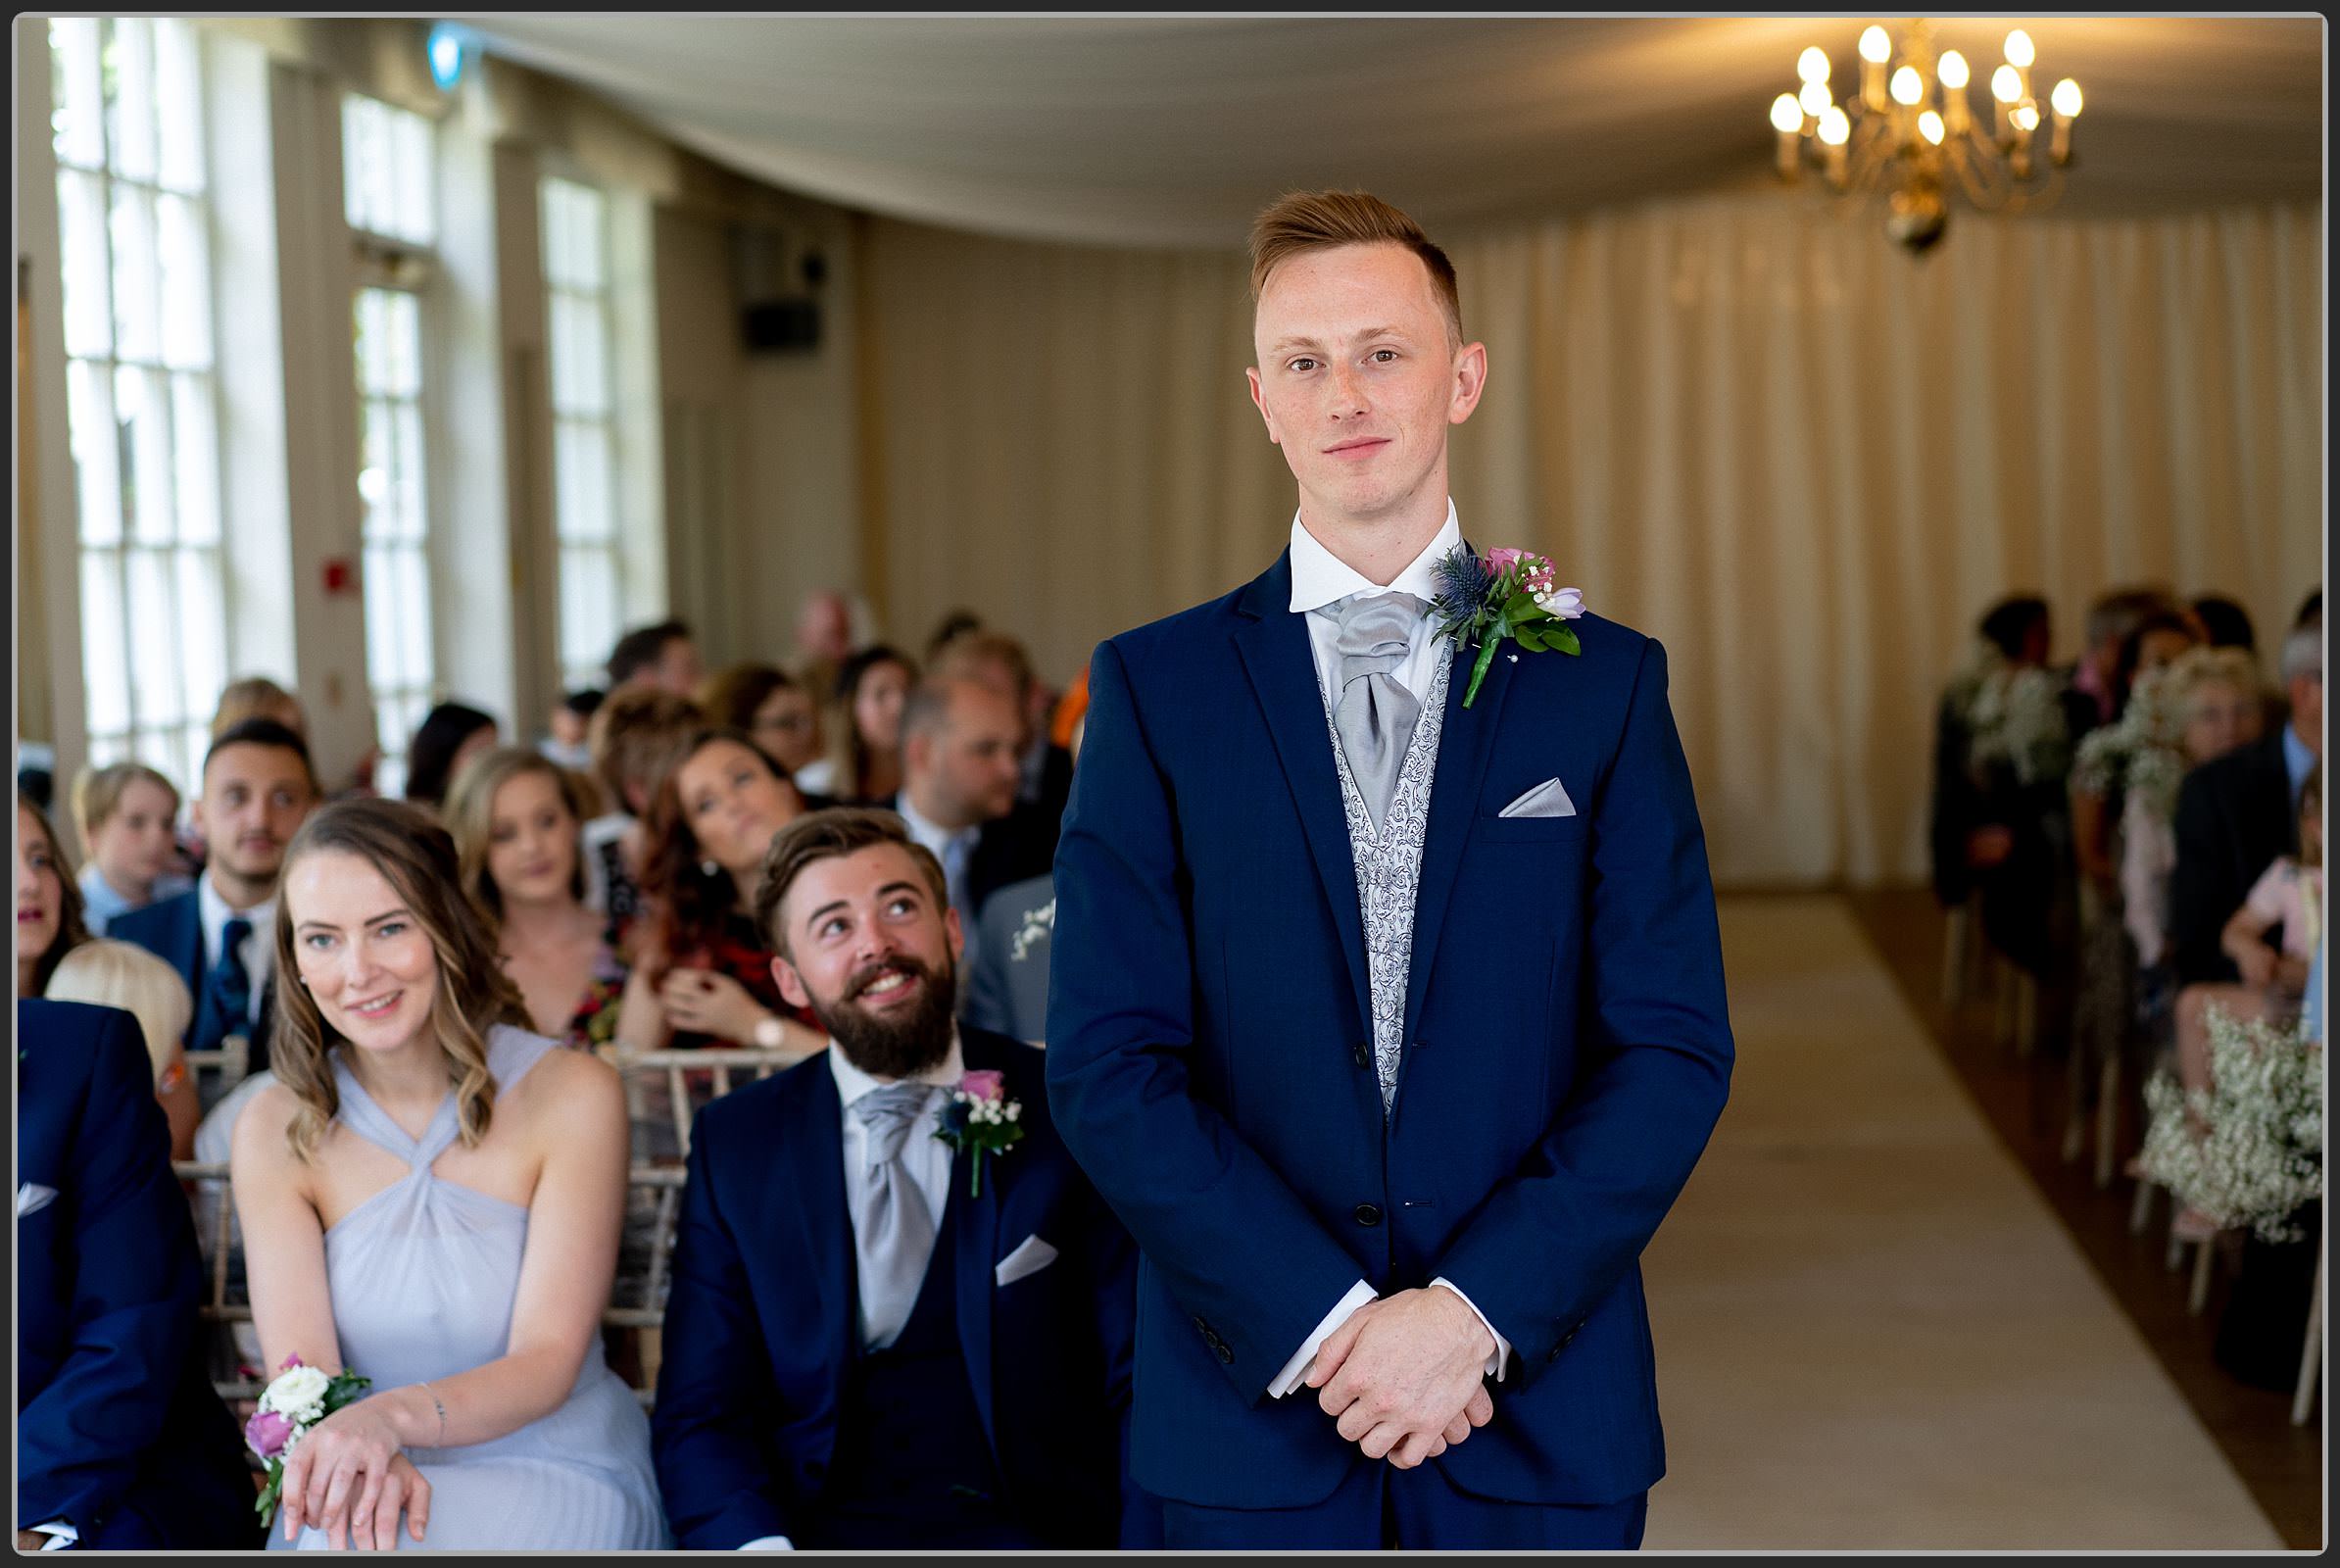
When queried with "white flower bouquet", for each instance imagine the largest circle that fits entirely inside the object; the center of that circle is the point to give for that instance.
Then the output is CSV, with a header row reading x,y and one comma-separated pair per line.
x,y
300,1396
2261,1154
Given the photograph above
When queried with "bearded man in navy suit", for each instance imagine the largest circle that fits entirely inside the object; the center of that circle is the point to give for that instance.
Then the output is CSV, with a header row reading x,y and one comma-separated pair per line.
x,y
1388,1016
875,1340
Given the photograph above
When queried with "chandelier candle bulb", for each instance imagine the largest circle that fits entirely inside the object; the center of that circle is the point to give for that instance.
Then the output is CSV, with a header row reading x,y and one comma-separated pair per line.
x,y
1814,99
1955,114
2065,101
1812,65
1787,118
1876,50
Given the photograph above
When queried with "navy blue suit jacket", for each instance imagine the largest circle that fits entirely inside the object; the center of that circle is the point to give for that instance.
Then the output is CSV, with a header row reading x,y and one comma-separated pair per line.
x,y
762,1324
173,930
119,1432
1209,1057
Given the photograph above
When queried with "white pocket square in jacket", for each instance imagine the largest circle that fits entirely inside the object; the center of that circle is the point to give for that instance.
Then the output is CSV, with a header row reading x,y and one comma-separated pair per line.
x,y
1031,1256
1547,798
32,1197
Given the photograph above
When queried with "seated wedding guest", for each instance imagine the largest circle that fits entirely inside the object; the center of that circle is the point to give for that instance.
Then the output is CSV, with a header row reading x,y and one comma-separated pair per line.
x,y
2210,697
2285,902
430,1197
451,735
36,771
1002,660
121,1445
117,974
48,902
2161,633
873,1342
824,635
663,655
1007,959
515,816
258,788
2236,814
765,703
2091,699
955,624
1966,840
567,741
258,697
634,736
703,973
127,817
960,772
2224,623
863,725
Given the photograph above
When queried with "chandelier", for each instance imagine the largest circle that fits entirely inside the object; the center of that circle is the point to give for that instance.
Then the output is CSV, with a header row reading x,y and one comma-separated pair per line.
x,y
1912,131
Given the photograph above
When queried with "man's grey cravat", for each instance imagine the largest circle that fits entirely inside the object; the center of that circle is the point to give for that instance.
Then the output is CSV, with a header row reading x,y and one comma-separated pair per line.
x,y
893,1232
1372,713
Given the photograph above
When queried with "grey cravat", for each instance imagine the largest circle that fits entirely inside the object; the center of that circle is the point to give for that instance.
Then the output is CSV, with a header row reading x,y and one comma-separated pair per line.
x,y
1372,713
893,1232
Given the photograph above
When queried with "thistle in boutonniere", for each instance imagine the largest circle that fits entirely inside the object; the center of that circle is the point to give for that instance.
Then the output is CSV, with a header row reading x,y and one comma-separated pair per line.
x,y
1512,594
981,1120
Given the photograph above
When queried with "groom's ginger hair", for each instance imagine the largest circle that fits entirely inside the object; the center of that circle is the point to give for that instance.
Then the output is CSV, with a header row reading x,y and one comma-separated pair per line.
x,y
1316,220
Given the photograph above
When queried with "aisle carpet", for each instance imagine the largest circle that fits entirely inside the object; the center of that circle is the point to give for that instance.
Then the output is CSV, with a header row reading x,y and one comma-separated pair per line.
x,y
1870,1330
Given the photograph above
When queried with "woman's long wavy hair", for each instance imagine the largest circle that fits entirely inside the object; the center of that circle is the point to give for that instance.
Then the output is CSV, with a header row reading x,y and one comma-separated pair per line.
x,y
417,856
687,904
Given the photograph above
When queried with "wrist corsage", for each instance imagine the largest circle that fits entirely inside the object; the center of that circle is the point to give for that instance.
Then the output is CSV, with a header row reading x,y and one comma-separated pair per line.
x,y
299,1399
981,1120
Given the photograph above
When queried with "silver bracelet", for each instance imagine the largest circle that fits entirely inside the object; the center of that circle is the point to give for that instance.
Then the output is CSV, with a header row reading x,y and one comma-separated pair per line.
x,y
436,1405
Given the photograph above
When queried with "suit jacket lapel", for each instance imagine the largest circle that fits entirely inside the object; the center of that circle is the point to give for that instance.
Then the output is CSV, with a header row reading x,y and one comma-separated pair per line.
x,y
1281,664
975,1242
1466,743
813,1167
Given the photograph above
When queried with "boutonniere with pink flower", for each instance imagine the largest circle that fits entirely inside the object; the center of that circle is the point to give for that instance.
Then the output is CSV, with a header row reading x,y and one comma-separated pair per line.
x,y
299,1399
980,1119
1505,594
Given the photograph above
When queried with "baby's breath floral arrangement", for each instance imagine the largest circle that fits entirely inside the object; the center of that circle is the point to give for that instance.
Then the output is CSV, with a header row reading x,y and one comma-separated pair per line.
x,y
2015,715
2260,1152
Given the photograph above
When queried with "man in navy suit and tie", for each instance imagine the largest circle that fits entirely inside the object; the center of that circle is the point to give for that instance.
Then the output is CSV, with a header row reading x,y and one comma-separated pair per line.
x,y
871,1342
121,1443
1390,1026
258,788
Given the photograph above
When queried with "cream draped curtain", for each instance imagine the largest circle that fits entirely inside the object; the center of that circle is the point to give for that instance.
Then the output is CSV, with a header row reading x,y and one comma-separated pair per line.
x,y
1752,428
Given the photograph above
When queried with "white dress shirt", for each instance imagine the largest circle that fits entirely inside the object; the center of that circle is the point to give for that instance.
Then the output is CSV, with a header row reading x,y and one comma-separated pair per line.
x,y
1318,578
926,1158
953,850
259,950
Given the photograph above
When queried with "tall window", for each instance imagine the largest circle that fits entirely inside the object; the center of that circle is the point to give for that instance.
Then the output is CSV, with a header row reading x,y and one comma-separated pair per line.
x,y
387,193
142,409
576,251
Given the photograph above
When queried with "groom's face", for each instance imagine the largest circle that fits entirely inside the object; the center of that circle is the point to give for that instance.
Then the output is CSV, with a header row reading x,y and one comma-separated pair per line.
x,y
1358,379
874,954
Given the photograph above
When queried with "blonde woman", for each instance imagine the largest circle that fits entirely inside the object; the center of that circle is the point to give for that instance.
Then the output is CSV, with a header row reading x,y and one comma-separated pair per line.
x,y
430,1196
515,816
121,974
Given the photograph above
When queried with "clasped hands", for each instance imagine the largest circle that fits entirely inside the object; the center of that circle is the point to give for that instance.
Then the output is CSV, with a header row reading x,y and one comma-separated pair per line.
x,y
349,1477
1401,1377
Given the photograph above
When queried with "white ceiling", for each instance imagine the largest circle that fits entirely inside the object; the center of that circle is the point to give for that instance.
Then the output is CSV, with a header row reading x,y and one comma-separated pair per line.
x,y
1174,131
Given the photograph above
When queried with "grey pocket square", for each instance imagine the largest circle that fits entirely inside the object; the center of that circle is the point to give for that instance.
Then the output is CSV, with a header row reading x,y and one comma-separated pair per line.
x,y
1030,1256
1547,798
32,1197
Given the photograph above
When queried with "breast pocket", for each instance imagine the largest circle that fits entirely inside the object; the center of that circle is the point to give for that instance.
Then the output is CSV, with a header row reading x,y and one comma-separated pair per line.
x,y
1556,831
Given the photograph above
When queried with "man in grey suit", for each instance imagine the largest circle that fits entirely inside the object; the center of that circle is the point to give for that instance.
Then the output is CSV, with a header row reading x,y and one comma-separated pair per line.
x,y
1007,973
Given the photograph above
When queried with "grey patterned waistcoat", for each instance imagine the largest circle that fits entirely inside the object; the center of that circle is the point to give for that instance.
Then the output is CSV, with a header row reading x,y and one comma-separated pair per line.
x,y
1389,866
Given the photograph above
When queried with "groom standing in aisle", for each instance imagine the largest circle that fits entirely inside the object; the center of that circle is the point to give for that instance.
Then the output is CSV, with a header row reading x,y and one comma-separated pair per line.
x,y
1389,1022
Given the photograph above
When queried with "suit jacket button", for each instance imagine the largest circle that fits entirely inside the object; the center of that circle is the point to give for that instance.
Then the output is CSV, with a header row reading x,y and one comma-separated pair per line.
x,y
1367,1214
1226,1356
1364,1055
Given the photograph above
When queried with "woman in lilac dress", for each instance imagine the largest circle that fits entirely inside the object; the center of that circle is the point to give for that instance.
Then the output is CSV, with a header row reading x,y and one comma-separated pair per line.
x,y
431,1197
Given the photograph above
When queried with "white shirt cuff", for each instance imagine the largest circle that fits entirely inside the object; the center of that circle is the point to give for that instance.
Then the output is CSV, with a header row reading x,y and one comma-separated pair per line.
x,y
1296,1368
769,1544
61,1535
1496,1362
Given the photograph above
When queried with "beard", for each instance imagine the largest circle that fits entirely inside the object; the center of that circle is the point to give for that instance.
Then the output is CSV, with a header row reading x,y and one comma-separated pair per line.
x,y
903,1041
